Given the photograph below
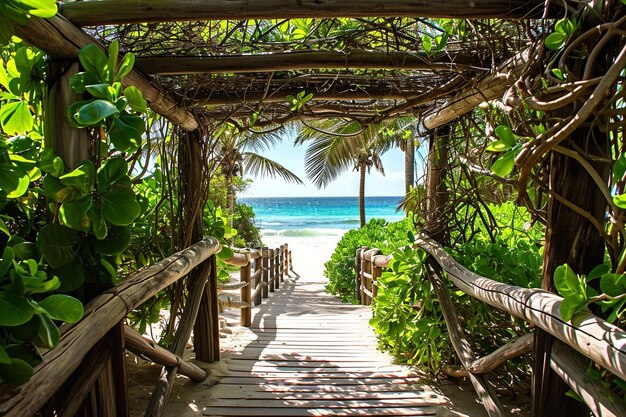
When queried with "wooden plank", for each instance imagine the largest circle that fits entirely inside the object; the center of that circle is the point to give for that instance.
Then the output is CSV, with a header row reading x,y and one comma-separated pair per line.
x,y
106,12
317,394
62,40
312,381
324,403
297,412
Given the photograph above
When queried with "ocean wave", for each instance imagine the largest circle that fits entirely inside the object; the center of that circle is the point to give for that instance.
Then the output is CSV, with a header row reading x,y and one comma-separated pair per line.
x,y
311,232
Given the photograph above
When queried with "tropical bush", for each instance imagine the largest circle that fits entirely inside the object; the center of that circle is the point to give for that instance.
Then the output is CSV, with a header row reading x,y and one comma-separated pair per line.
x,y
377,233
407,317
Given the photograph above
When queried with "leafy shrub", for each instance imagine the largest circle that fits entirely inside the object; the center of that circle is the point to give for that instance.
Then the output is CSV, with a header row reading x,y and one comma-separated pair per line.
x,y
409,321
248,234
377,233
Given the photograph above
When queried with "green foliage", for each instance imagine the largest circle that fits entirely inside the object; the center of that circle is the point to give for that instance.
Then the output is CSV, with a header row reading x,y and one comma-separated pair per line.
x,y
563,30
507,143
248,234
20,12
376,233
299,100
407,318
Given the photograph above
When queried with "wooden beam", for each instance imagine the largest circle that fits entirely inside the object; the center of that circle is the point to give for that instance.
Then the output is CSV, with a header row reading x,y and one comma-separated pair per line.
x,y
62,40
303,60
490,88
106,12
333,93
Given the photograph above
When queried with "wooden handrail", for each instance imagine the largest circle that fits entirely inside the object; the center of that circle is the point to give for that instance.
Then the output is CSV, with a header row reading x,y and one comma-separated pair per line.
x,y
270,267
101,315
584,338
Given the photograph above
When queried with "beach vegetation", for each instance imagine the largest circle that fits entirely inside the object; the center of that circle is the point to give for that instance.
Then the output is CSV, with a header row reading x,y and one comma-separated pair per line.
x,y
377,233
408,319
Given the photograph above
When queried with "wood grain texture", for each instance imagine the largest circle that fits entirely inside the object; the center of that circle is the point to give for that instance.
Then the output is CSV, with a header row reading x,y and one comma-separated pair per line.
x,y
100,12
306,354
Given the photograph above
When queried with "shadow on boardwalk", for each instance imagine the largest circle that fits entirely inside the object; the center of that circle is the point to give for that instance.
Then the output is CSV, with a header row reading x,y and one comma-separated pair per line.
x,y
307,354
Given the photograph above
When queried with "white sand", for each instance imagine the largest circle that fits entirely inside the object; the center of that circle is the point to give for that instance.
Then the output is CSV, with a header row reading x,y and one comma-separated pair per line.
x,y
308,253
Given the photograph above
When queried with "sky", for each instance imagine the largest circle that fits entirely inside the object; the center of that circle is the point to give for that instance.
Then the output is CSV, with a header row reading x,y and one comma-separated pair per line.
x,y
392,184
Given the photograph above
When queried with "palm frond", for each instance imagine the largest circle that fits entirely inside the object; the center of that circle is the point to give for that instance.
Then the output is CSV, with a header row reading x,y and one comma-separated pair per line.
x,y
261,166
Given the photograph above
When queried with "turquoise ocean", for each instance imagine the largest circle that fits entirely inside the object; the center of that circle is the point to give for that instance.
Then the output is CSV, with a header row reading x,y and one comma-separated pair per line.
x,y
317,216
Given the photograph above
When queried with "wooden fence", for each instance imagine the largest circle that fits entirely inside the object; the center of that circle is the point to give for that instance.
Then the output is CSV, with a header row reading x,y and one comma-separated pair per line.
x,y
262,271
583,340
86,375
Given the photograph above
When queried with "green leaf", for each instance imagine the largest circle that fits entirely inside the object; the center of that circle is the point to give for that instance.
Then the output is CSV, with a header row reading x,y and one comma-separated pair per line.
x,y
62,307
111,171
226,253
619,168
58,244
125,67
506,135
4,356
4,228
48,332
98,223
7,260
101,91
427,43
25,250
73,214
135,99
114,49
498,146
613,284
620,201
40,8
125,132
115,243
555,41
558,74
51,163
17,372
14,310
71,276
95,112
6,31
15,117
82,179
505,164
573,290
119,205
13,180
94,60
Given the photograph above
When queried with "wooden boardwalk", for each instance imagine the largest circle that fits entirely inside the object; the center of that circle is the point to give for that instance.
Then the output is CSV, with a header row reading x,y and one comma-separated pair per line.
x,y
307,354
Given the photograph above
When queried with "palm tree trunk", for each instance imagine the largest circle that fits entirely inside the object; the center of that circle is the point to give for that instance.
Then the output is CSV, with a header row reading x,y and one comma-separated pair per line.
x,y
409,165
362,172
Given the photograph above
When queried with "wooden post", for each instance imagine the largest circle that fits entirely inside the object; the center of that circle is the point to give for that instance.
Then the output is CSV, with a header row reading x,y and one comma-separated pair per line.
x,y
266,253
376,271
282,263
258,267
246,296
436,191
357,273
118,365
272,277
362,278
290,262
277,268
287,258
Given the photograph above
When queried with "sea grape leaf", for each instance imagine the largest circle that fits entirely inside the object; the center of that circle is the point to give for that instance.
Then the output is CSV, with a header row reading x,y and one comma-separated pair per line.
x,y
112,170
82,178
125,67
48,332
135,99
613,284
73,214
15,117
14,310
95,112
71,276
58,244
115,243
17,372
573,290
62,307
119,205
13,180
94,60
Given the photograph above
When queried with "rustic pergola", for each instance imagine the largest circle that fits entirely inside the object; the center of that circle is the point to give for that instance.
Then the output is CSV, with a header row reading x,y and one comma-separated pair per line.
x,y
205,63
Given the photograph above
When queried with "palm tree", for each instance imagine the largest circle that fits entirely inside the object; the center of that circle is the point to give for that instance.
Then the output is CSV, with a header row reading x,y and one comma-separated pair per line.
x,y
337,145
239,153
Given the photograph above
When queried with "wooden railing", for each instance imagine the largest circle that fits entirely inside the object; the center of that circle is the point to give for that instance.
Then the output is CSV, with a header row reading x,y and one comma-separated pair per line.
x,y
262,271
87,368
584,339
